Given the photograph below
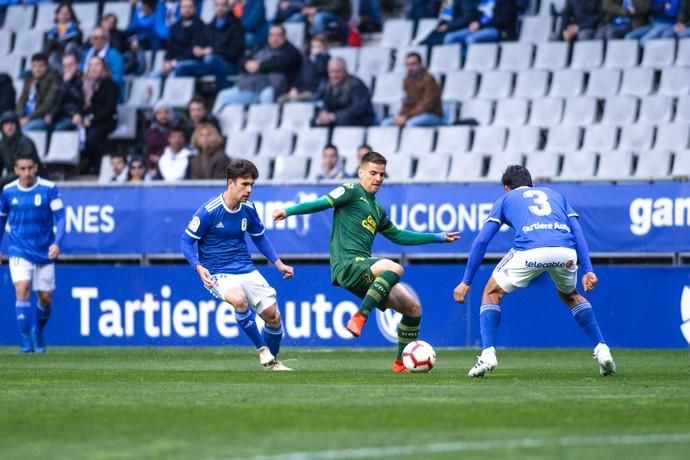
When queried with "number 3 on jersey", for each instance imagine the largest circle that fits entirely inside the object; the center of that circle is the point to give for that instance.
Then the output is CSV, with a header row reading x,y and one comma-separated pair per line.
x,y
541,202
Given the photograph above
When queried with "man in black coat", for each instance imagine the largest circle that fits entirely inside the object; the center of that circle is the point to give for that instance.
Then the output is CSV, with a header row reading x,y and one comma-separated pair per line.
x,y
70,96
12,144
581,18
483,21
185,35
346,100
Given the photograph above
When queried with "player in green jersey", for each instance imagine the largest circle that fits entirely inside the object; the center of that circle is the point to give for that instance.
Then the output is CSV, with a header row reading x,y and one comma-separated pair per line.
x,y
358,217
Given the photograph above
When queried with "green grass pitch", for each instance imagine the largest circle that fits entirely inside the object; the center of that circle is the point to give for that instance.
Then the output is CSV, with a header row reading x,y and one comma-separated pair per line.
x,y
216,403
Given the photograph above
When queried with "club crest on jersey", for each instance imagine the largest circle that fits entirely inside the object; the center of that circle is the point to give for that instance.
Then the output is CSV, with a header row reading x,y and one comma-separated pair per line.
x,y
194,224
244,224
37,200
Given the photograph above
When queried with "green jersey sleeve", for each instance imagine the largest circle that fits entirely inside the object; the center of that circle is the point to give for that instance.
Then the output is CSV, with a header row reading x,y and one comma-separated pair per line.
x,y
341,195
407,237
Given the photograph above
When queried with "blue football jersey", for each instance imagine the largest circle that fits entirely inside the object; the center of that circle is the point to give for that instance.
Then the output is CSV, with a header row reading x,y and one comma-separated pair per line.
x,y
220,233
30,214
539,216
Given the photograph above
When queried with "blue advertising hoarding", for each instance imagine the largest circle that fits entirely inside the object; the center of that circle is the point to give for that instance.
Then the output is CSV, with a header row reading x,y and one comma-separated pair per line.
x,y
167,305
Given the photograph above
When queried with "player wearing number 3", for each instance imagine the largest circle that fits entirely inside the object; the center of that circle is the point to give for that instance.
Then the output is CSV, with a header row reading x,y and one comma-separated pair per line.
x,y
548,238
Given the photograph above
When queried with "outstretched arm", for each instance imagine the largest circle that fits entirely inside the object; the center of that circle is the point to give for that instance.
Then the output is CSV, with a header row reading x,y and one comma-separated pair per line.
x,y
409,238
477,252
308,207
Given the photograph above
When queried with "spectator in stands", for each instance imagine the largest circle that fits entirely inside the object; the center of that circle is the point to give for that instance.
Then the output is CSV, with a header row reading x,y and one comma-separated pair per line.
x,y
210,161
489,21
185,35
134,60
422,104
38,94
118,169
289,11
136,170
252,13
168,12
8,96
331,164
156,136
224,48
370,17
312,75
97,119
420,9
12,143
581,19
70,96
346,100
100,47
197,112
269,73
141,30
621,17
681,29
64,37
118,39
174,164
664,15
450,18
322,14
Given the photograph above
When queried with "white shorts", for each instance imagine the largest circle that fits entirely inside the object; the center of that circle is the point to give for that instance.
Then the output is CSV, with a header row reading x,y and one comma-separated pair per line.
x,y
518,268
42,277
260,295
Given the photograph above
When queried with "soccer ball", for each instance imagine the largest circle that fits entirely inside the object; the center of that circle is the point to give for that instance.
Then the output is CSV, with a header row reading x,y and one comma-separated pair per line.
x,y
419,356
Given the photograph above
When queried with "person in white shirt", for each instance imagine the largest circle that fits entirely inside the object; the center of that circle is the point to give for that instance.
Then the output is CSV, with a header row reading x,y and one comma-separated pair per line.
x,y
174,163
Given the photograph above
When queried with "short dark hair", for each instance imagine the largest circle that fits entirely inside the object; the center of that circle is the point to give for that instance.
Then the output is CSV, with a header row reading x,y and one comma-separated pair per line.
x,y
178,128
39,57
330,146
109,15
199,100
414,54
374,157
26,156
119,155
241,168
365,146
516,176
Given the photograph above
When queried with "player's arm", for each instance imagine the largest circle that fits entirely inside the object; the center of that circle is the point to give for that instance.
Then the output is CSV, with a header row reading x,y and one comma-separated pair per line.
x,y
410,238
58,209
335,198
589,279
477,251
4,211
194,231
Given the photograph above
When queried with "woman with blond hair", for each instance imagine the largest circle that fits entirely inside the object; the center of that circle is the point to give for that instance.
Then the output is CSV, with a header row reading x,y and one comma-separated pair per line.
x,y
210,161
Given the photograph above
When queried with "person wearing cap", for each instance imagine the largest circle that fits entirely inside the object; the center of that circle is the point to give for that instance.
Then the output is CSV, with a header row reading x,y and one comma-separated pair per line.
x,y
12,144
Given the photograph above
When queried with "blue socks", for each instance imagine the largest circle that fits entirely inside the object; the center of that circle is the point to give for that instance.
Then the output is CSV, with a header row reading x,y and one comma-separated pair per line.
x,y
489,320
584,315
247,321
42,315
24,316
273,336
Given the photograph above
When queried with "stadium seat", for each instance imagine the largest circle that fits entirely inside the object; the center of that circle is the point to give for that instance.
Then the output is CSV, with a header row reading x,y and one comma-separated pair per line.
x,y
88,15
263,165
262,117
19,18
453,139
11,65
126,123
622,54
396,33
400,170
402,51
424,27
297,115
178,91
349,55
311,140
481,57
388,89
547,111
588,54
45,16
242,144
535,29
511,112
416,140
466,167
64,148
290,169
580,111
5,42
444,58
122,10
432,168
25,44
40,140
481,111
656,109
653,165
615,165
683,57
489,139
578,166
567,83
600,137
498,162
681,165
551,56
674,137
105,172
620,110
531,84
276,142
545,6
157,61
637,137
683,109
373,60
383,139
496,84
231,118
271,7
459,86
524,138
144,92
543,165
637,81
603,83
659,54
348,139
295,33
207,12
675,81
516,56
563,138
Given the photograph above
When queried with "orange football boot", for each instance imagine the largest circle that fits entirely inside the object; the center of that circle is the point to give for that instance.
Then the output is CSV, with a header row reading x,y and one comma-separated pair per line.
x,y
356,324
399,367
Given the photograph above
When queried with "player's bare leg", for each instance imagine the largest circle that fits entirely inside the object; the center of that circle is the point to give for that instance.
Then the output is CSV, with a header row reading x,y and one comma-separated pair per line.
x,y
582,312
402,300
43,310
22,291
386,275
489,320
273,335
247,321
